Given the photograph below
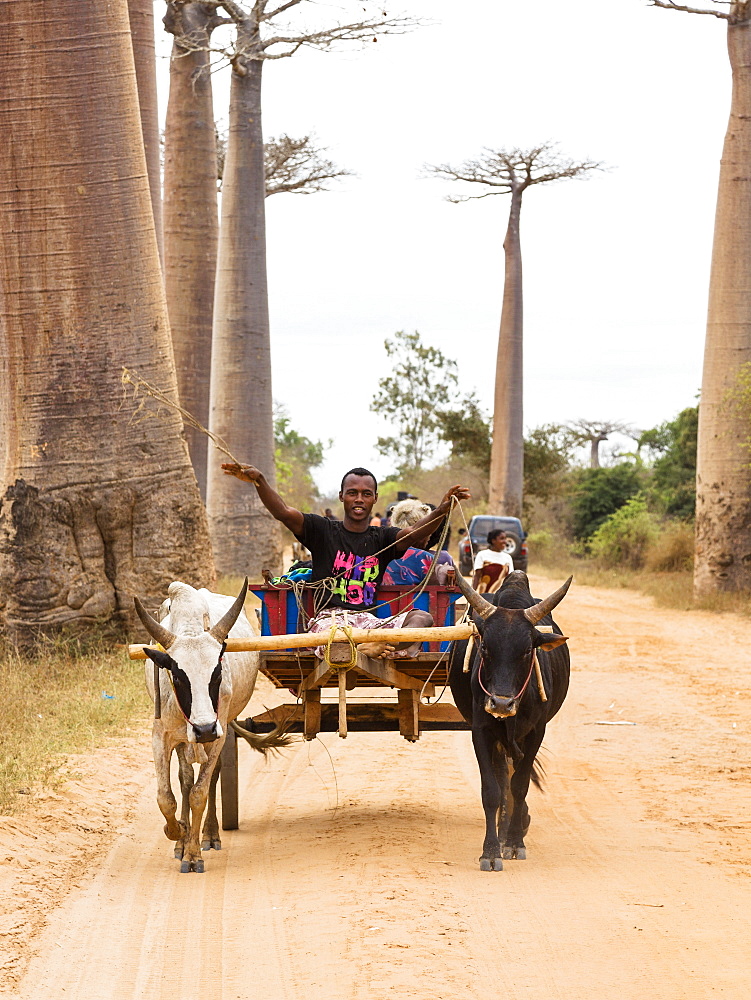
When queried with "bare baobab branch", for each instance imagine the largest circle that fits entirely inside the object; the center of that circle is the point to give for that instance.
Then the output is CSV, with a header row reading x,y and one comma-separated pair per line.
x,y
295,166
292,166
280,10
287,42
668,5
503,171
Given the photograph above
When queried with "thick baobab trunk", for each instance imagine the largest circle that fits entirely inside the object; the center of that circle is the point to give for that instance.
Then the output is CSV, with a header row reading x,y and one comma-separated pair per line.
x,y
190,217
507,454
246,539
723,480
94,507
141,15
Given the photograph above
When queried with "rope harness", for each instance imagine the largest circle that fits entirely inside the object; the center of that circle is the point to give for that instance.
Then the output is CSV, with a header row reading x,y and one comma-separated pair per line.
x,y
534,664
157,687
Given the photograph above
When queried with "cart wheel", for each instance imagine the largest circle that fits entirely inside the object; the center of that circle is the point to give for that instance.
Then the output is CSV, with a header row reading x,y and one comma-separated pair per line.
x,y
228,779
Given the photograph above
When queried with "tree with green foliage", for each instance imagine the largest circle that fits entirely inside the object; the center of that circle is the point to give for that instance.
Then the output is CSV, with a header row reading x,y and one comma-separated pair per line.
x,y
624,537
598,493
295,458
423,383
673,442
548,454
467,429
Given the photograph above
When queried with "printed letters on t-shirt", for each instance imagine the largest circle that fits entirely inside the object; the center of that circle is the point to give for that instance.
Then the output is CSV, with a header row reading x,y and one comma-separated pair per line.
x,y
355,576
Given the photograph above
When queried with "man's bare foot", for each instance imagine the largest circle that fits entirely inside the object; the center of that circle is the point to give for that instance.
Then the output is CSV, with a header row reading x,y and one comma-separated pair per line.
x,y
375,649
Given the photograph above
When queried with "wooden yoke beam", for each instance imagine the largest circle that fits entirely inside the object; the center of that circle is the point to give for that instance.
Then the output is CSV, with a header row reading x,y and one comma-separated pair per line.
x,y
303,640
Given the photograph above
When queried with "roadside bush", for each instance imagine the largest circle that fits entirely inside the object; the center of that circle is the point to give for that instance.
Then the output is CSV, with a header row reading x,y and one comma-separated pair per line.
x,y
540,543
673,549
626,536
598,493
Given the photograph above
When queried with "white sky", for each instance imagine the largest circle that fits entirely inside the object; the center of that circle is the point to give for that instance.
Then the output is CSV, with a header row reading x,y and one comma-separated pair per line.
x,y
616,267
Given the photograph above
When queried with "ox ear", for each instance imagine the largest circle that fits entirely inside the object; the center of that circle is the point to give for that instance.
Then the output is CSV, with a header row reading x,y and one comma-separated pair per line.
x,y
549,640
159,657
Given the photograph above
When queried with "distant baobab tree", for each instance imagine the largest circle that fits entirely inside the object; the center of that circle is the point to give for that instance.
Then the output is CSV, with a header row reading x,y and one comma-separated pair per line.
x,y
594,432
510,171
723,480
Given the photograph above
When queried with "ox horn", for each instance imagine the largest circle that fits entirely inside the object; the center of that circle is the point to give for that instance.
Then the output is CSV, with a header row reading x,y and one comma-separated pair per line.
x,y
158,632
537,612
483,608
221,630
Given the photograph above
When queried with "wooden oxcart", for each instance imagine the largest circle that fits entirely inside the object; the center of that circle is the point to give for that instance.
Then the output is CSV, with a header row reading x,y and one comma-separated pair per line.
x,y
290,664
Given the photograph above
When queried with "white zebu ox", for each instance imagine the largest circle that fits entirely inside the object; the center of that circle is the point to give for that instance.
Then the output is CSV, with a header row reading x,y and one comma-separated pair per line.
x,y
201,692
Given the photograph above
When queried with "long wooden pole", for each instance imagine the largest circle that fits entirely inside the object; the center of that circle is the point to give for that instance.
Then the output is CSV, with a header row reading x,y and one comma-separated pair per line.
x,y
301,640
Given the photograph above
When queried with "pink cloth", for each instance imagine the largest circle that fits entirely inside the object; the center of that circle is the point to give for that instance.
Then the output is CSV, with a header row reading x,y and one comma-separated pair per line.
x,y
324,621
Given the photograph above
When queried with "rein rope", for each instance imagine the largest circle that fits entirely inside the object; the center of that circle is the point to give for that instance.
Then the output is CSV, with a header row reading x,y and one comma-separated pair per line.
x,y
533,665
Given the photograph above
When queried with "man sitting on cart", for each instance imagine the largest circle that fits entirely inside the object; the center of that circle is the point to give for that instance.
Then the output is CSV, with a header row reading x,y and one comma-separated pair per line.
x,y
351,555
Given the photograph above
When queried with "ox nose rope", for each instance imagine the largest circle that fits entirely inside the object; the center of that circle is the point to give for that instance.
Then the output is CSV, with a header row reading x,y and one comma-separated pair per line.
x,y
158,693
534,665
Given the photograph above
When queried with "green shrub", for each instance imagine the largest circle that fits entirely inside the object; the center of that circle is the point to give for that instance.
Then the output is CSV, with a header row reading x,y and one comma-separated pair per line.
x,y
673,549
626,536
540,543
598,493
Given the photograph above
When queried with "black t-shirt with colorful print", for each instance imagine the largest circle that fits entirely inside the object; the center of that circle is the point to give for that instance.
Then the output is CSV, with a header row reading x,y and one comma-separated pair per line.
x,y
350,557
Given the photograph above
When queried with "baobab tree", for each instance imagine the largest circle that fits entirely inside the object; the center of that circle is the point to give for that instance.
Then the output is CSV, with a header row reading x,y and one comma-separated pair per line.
x,y
141,17
191,222
95,506
246,538
193,160
510,171
594,432
723,480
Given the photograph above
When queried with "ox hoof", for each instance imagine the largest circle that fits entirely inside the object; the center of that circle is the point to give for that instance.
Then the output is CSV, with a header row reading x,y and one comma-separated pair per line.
x,y
514,853
491,865
214,844
191,866
179,852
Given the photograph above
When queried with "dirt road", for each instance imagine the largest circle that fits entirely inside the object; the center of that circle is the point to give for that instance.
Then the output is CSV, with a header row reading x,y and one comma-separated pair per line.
x,y
355,875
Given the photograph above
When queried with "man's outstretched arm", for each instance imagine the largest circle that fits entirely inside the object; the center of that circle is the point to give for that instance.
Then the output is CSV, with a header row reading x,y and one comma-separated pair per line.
x,y
421,531
289,516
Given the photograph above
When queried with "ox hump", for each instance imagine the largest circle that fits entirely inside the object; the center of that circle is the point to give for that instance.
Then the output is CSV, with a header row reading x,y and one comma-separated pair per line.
x,y
188,610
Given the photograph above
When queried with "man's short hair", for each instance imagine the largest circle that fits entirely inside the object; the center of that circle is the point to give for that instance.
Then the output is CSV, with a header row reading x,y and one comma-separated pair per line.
x,y
494,534
359,472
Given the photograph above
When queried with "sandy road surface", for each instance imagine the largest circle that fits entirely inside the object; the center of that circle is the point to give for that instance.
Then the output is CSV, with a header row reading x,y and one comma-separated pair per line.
x,y
638,882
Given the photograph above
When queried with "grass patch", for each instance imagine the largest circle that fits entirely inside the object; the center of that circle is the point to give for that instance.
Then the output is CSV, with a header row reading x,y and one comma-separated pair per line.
x,y
670,590
55,703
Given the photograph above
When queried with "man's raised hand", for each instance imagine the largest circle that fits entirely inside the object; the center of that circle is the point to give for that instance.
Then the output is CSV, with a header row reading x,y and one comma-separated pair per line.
x,y
460,492
247,473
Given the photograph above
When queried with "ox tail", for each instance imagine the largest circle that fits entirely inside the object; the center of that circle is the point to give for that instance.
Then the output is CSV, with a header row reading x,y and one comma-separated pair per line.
x,y
538,772
278,739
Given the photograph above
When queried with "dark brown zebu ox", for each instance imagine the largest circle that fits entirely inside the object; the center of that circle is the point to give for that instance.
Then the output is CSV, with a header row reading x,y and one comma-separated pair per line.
x,y
499,696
